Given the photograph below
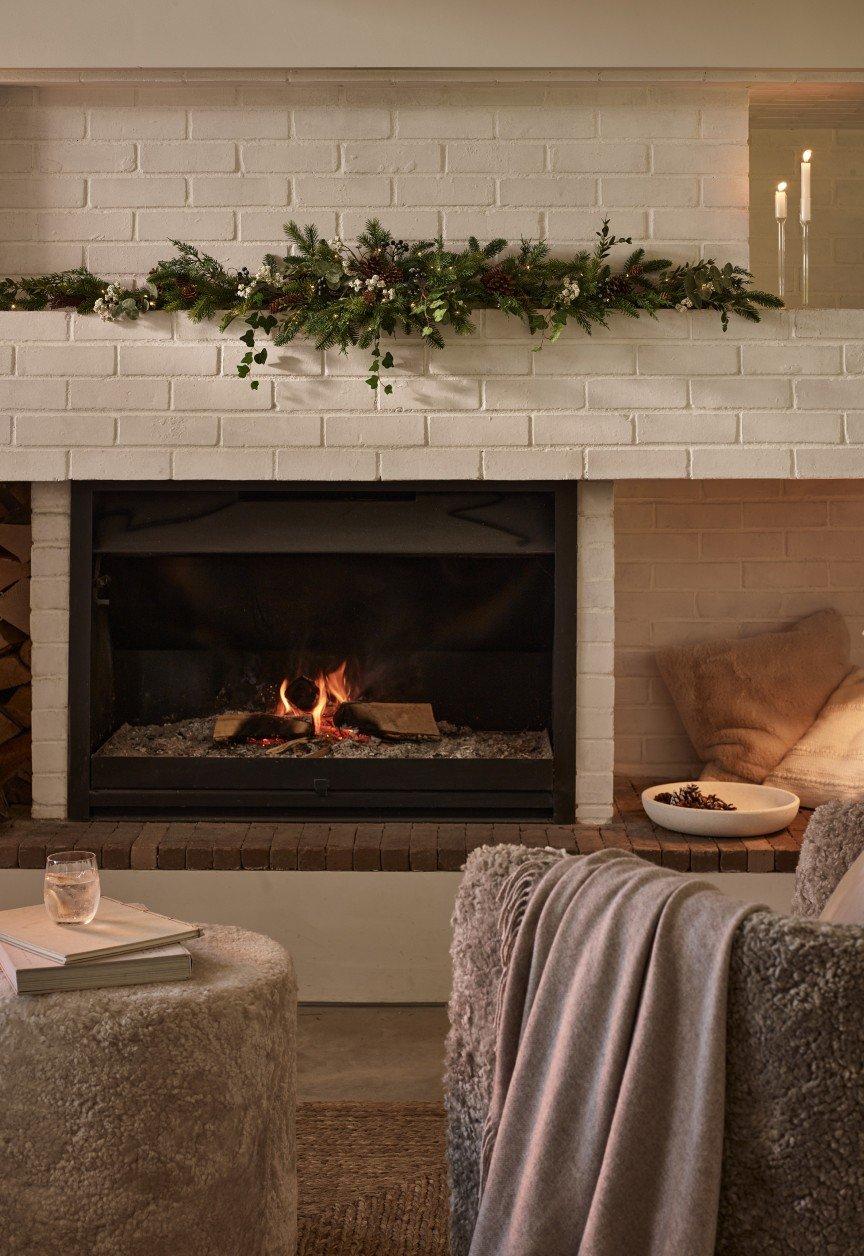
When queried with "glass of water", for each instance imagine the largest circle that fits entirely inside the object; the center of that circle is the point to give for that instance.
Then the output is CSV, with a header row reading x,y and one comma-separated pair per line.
x,y
71,888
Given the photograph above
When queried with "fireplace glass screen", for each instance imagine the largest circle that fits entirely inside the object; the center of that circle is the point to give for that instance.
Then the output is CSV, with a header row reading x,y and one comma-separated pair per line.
x,y
357,652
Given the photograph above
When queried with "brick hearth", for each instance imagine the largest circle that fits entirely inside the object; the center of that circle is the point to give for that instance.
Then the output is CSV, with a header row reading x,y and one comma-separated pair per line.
x,y
391,847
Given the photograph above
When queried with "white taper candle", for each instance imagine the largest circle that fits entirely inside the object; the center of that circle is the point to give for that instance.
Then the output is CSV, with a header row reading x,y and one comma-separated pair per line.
x,y
805,185
781,202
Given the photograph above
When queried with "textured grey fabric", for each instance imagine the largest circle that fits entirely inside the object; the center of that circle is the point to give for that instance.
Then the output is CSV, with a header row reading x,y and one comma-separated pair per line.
x,y
793,1152
612,967
833,841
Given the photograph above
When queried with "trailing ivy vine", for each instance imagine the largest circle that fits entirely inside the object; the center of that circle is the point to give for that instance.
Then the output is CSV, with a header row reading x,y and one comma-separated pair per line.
x,y
339,294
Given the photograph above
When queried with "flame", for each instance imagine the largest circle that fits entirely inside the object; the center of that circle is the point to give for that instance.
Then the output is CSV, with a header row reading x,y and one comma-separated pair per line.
x,y
333,689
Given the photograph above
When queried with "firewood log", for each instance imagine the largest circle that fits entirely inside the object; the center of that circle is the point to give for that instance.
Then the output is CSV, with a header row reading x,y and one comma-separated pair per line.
x,y
15,742
15,605
17,707
15,539
393,721
12,671
242,725
303,693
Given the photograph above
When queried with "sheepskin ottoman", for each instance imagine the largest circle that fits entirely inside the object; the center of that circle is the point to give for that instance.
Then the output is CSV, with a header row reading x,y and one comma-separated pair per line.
x,y
154,1120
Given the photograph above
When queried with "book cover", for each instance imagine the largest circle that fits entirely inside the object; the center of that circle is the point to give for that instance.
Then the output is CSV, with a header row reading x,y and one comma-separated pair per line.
x,y
117,928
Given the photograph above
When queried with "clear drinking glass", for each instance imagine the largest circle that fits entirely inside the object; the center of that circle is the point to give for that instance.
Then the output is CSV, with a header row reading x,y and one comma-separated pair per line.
x,y
71,889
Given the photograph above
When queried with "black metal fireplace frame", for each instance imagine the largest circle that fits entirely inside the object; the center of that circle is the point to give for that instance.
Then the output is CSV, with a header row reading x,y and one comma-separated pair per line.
x,y
365,789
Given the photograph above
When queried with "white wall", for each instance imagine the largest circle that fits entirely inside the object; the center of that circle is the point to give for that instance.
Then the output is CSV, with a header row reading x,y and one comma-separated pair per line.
x,y
356,937
206,33
109,173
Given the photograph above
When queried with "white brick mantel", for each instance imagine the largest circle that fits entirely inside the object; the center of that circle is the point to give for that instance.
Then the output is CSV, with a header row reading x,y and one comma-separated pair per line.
x,y
672,398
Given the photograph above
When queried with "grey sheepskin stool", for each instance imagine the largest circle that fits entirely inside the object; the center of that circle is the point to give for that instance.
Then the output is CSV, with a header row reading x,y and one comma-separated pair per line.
x,y
793,1155
154,1120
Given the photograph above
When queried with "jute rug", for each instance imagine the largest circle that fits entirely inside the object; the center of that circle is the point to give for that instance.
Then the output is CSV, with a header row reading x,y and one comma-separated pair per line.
x,y
372,1180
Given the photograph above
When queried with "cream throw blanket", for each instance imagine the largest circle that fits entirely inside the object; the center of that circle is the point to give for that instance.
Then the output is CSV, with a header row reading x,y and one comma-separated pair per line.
x,y
605,1131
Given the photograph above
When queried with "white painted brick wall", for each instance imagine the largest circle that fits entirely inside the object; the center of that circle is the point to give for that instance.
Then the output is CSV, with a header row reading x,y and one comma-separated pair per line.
x,y
49,631
106,175
722,558
595,682
675,398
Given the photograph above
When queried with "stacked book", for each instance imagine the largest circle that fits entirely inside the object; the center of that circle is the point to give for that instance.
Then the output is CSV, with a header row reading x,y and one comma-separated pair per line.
x,y
123,945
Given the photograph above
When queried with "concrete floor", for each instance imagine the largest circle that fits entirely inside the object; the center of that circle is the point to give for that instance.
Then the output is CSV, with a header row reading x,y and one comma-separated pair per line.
x,y
376,1053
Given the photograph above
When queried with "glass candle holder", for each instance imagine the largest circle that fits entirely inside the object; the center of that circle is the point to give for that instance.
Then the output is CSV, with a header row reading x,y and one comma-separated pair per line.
x,y
71,889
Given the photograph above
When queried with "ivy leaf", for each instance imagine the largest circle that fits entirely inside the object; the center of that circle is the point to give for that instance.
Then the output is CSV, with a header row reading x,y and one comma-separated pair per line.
x,y
261,357
388,388
243,371
248,338
255,383
247,357
387,360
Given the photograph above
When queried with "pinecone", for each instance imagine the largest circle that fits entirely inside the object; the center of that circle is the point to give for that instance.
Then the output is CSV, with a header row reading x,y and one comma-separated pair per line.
x,y
286,302
60,302
378,264
616,287
188,291
499,281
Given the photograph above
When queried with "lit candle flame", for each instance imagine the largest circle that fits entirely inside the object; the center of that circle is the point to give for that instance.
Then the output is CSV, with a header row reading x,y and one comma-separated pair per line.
x,y
807,154
781,187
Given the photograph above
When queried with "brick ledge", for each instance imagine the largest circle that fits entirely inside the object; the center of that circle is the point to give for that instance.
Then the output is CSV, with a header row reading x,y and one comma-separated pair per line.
x,y
392,846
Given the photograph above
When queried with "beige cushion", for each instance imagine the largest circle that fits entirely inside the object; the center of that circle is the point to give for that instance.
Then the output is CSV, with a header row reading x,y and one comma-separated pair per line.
x,y
746,702
846,904
828,762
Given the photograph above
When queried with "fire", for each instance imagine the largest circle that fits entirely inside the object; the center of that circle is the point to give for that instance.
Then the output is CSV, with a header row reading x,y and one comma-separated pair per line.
x,y
333,689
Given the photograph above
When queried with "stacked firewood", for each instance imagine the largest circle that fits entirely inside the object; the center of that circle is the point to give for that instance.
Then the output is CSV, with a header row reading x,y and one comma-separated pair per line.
x,y
14,645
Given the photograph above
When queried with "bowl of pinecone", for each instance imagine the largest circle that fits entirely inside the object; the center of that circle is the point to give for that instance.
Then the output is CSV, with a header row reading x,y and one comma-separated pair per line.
x,y
720,808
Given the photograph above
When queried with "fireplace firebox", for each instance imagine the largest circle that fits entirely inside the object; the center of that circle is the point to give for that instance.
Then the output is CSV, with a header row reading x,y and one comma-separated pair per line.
x,y
323,650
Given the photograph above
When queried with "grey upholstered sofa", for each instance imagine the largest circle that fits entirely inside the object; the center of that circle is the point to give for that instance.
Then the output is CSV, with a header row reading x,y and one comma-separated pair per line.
x,y
793,1159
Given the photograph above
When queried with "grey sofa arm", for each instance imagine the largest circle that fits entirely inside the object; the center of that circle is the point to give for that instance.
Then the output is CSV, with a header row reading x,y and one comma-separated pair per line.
x,y
834,839
793,1158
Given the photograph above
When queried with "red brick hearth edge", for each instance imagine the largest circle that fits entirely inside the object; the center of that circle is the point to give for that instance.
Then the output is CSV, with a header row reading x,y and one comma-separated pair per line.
x,y
393,846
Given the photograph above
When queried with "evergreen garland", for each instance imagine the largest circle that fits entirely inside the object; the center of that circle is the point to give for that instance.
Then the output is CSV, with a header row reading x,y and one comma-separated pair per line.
x,y
336,294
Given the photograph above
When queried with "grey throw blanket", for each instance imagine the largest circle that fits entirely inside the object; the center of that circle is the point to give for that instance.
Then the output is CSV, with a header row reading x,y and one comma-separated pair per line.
x,y
605,1131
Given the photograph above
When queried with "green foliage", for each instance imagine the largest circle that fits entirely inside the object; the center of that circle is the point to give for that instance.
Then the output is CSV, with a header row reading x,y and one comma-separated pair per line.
x,y
340,295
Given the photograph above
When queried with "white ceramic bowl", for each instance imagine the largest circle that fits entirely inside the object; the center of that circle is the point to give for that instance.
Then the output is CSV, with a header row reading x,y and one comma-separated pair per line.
x,y
759,809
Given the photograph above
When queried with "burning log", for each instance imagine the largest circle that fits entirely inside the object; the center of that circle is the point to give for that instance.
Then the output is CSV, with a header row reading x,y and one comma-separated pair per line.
x,y
392,721
302,693
244,725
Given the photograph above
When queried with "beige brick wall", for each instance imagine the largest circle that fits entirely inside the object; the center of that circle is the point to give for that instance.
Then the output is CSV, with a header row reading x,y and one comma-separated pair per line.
x,y
105,174
780,131
720,559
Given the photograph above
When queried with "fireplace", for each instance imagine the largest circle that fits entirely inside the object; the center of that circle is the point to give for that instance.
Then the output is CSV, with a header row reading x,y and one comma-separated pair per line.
x,y
230,644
